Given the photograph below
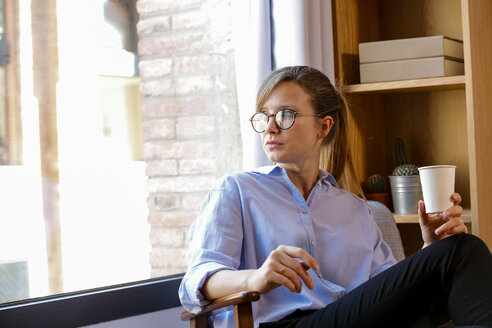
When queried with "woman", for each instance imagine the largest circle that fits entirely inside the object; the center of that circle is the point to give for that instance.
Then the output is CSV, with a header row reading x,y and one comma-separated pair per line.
x,y
311,248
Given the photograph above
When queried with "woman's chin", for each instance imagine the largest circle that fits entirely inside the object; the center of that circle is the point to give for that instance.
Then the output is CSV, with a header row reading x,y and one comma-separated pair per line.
x,y
278,156
277,159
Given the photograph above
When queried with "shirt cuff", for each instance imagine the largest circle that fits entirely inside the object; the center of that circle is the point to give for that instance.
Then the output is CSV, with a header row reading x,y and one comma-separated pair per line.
x,y
190,290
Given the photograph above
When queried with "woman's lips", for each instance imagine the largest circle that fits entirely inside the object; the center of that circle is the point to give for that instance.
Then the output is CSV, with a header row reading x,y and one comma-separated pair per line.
x,y
273,144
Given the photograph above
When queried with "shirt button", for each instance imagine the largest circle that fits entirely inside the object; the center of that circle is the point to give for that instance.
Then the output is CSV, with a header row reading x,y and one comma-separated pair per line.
x,y
304,212
313,243
319,275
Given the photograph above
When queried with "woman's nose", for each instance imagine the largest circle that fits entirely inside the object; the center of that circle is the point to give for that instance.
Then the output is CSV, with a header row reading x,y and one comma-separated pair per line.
x,y
271,125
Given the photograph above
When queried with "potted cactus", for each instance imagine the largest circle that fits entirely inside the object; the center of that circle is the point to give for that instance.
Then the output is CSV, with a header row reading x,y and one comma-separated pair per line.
x,y
405,182
375,189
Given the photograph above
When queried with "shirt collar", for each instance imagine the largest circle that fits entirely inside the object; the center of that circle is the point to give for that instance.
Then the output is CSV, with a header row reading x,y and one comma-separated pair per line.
x,y
275,170
269,169
327,177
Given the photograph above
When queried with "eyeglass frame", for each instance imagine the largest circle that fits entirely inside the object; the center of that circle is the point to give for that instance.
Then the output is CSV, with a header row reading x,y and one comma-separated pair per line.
x,y
295,113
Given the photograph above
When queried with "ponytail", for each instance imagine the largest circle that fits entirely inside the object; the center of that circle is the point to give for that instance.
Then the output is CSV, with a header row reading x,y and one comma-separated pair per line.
x,y
336,155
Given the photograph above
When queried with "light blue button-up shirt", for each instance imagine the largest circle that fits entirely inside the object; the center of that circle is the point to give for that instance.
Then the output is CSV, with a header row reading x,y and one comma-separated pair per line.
x,y
246,215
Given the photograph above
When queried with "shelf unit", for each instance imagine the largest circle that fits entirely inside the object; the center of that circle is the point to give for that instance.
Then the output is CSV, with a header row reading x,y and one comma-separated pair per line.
x,y
401,219
428,84
443,120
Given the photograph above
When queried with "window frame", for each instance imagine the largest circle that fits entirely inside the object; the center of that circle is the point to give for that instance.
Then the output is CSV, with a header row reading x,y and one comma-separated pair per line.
x,y
12,83
92,306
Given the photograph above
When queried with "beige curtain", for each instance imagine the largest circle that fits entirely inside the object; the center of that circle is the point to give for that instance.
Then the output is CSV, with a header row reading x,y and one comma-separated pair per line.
x,y
273,34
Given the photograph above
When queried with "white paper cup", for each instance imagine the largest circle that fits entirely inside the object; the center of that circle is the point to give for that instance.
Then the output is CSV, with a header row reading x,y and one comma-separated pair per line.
x,y
437,187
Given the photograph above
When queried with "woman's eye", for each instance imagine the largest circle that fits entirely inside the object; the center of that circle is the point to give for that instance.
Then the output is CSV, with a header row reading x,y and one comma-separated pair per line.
x,y
287,113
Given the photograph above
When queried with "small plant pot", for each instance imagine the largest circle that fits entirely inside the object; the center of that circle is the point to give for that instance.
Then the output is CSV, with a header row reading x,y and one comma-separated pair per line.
x,y
382,197
406,192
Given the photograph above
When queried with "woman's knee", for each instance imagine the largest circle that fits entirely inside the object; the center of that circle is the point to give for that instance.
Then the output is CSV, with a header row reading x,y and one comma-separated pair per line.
x,y
472,242
467,250
461,246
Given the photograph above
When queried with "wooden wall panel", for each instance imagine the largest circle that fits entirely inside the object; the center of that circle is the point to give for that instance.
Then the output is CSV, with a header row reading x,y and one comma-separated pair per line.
x,y
417,18
434,127
354,22
477,31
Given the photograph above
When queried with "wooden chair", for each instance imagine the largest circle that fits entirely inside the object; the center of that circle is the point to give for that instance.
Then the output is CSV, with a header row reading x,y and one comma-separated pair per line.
x,y
241,302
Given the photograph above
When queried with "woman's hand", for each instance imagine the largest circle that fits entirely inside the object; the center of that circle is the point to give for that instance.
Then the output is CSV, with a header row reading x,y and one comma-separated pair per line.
x,y
285,266
438,226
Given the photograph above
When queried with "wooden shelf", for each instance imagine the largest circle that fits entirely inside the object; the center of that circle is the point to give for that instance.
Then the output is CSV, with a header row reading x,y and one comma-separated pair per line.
x,y
442,120
415,219
428,84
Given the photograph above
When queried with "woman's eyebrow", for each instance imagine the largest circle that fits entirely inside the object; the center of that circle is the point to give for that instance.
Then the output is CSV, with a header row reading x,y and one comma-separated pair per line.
x,y
287,106
278,107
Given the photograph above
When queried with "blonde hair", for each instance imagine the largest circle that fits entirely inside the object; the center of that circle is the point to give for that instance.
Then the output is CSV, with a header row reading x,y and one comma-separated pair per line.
x,y
326,100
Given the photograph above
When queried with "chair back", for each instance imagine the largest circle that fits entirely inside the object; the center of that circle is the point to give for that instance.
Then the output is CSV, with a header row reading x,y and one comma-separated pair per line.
x,y
387,224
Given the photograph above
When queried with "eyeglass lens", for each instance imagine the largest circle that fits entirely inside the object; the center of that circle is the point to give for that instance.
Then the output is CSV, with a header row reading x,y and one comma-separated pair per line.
x,y
284,119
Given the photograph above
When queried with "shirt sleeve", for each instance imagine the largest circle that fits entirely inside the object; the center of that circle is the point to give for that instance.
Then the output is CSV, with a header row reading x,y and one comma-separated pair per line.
x,y
383,257
215,242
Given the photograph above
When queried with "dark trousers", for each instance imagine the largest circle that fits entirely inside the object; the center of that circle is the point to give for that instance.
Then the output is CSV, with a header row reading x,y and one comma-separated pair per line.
x,y
449,280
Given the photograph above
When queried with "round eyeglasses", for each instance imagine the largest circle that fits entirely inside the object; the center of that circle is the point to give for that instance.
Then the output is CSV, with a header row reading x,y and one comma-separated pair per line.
x,y
283,118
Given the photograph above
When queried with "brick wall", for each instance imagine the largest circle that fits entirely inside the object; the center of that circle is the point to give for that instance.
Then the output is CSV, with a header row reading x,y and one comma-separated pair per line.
x,y
191,121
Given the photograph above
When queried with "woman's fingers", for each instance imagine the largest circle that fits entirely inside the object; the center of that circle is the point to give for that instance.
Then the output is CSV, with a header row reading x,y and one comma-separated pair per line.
x,y
276,274
456,198
454,225
293,263
297,252
299,261
291,276
424,218
281,280
453,211
452,218
296,271
456,230
437,226
285,266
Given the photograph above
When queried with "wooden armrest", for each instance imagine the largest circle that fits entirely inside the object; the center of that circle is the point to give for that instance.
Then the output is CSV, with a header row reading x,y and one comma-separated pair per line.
x,y
222,303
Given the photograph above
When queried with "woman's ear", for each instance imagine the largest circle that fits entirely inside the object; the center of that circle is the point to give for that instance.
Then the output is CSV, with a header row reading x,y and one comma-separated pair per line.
x,y
326,126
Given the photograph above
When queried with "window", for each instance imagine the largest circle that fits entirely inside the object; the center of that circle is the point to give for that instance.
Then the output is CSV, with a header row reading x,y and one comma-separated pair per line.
x,y
73,213
119,146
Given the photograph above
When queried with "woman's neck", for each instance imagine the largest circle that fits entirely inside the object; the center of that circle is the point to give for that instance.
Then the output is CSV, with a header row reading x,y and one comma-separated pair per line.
x,y
304,179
